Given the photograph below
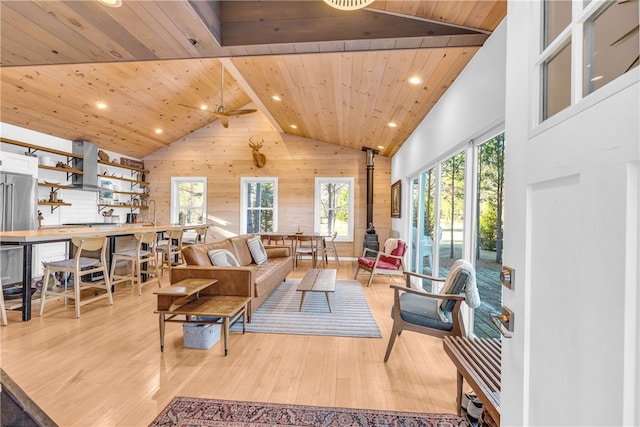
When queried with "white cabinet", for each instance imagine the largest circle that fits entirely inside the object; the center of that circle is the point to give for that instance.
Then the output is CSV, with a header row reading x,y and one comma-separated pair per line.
x,y
18,163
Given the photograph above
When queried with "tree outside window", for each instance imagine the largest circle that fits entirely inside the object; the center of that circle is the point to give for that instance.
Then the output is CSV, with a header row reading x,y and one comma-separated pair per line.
x,y
259,205
334,207
188,200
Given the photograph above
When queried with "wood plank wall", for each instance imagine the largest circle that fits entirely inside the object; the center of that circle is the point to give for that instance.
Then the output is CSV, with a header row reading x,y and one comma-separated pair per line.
x,y
223,156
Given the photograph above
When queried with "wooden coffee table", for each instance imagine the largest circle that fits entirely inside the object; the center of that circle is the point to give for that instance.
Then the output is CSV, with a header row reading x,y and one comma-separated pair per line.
x,y
318,280
192,299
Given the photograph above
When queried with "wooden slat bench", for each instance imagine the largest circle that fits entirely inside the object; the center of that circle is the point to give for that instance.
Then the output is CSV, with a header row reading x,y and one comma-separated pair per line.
x,y
478,362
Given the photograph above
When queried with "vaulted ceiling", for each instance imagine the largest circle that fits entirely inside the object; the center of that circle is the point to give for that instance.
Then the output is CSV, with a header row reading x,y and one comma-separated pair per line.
x,y
341,76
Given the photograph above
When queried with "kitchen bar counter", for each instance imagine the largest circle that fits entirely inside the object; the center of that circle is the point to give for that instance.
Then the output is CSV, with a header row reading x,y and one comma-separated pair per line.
x,y
27,238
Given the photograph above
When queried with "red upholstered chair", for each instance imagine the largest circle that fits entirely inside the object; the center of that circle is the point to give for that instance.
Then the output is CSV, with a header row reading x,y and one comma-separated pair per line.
x,y
389,261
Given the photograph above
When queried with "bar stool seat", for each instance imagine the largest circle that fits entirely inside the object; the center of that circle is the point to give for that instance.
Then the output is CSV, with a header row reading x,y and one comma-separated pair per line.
x,y
80,266
143,260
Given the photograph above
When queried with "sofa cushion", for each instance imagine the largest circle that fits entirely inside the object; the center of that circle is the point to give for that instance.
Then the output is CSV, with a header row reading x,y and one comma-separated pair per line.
x,y
257,250
198,254
222,258
241,249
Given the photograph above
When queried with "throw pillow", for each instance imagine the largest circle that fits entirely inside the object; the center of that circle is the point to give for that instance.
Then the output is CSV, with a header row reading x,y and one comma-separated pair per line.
x,y
256,248
222,258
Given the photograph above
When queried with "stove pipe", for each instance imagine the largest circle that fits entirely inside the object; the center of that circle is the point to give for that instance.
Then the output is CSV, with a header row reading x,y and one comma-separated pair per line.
x,y
370,237
370,153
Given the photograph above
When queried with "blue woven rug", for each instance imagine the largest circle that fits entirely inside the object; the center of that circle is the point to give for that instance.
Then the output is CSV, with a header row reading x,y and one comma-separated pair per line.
x,y
350,316
196,412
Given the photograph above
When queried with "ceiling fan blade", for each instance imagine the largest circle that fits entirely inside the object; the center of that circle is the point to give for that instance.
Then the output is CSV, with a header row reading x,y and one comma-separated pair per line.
x,y
240,112
189,106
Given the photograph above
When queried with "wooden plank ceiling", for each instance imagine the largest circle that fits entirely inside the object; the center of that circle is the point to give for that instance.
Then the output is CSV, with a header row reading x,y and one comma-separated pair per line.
x,y
149,60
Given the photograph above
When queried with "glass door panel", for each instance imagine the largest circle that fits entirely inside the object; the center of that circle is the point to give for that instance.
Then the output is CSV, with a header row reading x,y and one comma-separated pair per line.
x,y
489,234
451,231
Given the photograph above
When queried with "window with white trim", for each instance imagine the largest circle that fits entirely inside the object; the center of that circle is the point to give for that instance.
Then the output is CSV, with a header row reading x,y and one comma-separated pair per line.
x,y
584,46
259,205
188,200
334,207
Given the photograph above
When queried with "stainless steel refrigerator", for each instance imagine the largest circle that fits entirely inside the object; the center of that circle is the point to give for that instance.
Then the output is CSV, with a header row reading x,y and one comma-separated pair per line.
x,y
18,211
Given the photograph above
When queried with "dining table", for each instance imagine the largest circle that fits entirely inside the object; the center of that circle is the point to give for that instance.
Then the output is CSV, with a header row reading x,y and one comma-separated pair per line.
x,y
27,239
317,239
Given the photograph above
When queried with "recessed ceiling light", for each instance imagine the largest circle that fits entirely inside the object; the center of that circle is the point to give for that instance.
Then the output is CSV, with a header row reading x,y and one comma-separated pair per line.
x,y
111,3
101,105
596,78
294,127
392,125
203,107
415,80
276,98
158,130
380,147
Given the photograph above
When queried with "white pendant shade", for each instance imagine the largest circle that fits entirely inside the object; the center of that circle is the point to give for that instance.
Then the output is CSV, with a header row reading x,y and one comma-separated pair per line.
x,y
348,4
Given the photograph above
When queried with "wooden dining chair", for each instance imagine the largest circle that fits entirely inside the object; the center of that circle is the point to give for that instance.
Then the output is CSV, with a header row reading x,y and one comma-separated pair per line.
x,y
80,266
306,246
329,247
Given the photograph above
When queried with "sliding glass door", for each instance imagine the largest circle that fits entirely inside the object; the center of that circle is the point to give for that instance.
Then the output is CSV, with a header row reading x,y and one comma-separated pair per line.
x,y
457,212
489,224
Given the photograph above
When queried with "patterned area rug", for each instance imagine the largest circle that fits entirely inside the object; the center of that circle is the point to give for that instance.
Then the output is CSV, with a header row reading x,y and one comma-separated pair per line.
x,y
196,412
280,313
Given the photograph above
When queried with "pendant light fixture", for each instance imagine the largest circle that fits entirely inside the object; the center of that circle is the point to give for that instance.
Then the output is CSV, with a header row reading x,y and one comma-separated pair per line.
x,y
348,4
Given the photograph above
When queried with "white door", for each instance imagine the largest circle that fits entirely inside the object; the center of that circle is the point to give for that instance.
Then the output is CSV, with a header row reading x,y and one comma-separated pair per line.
x,y
571,228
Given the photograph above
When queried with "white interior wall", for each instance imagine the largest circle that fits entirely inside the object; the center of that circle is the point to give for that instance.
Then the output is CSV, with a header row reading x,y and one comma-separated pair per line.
x,y
473,105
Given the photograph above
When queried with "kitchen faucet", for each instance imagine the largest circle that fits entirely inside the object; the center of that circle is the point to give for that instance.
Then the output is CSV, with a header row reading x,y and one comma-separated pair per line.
x,y
154,212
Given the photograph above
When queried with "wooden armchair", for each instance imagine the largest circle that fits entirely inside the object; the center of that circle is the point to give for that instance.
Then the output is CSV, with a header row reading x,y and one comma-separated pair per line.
x,y
437,315
388,262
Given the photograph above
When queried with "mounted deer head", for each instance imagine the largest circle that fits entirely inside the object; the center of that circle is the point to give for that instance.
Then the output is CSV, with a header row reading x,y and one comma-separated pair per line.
x,y
259,159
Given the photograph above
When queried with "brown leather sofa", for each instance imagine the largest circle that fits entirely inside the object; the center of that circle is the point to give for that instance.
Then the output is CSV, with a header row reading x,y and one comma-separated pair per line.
x,y
250,279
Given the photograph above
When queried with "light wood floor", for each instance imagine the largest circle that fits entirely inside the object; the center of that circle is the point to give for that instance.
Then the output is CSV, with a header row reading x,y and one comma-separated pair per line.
x,y
106,368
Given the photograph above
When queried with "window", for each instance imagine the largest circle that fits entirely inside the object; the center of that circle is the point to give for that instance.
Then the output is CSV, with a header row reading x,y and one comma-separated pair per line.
x,y
334,207
259,205
611,45
188,200
584,46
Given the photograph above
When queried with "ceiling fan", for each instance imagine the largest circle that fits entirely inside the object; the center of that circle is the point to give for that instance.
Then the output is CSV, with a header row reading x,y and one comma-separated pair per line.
x,y
222,113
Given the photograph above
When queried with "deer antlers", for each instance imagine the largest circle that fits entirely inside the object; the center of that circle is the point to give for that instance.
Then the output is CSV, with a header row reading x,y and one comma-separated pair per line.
x,y
259,159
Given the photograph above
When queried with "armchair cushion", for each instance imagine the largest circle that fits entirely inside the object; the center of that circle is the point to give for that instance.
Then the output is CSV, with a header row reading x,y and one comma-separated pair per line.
x,y
369,262
394,247
422,310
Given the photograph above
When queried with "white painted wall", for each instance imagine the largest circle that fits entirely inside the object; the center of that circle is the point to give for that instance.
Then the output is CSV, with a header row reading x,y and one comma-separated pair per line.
x,y
473,105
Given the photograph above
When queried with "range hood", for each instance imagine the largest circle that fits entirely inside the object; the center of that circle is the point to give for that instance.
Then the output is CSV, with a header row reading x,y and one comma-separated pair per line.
x,y
88,165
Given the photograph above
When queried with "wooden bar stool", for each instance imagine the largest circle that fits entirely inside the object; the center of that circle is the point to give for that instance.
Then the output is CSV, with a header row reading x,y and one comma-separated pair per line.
x,y
80,266
200,237
143,255
171,252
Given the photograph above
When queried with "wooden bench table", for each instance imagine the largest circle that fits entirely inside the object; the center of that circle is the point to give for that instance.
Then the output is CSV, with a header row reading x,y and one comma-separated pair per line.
x,y
194,298
317,280
478,362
